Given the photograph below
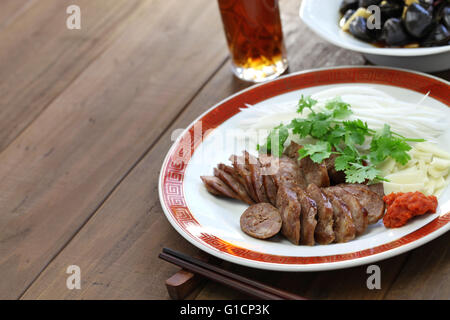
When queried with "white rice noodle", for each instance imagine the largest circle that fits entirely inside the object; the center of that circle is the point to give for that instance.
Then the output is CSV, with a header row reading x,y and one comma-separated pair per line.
x,y
373,106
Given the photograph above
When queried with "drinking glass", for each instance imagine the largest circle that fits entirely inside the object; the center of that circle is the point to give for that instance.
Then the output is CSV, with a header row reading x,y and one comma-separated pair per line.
x,y
255,38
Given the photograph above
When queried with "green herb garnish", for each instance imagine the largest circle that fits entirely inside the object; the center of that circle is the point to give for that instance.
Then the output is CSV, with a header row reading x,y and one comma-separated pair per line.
x,y
341,137
275,141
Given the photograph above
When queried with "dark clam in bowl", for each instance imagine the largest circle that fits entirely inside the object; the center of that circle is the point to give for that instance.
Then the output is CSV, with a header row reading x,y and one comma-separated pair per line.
x,y
397,23
413,34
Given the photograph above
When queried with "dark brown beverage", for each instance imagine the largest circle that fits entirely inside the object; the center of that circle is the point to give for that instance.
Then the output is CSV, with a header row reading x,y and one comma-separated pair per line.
x,y
255,38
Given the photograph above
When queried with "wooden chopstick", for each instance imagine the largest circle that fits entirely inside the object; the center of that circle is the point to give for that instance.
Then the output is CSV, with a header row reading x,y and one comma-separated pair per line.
x,y
230,279
219,278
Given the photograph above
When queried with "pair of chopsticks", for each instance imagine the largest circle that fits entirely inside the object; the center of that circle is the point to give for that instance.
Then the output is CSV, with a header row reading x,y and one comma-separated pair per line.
x,y
250,287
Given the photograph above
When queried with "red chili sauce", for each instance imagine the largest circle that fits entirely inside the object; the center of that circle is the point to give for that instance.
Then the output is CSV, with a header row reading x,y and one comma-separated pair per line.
x,y
403,206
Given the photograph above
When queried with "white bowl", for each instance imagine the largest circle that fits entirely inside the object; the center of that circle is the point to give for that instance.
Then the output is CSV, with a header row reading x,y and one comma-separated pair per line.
x,y
322,16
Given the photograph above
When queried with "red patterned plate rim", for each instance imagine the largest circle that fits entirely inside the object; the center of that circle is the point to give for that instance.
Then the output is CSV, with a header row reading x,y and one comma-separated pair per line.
x,y
172,173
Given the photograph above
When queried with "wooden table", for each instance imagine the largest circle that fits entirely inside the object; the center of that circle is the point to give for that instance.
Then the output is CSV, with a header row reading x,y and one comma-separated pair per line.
x,y
86,119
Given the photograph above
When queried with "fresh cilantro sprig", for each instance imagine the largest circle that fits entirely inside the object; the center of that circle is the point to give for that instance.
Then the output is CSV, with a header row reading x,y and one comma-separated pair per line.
x,y
359,173
338,108
275,141
317,152
306,102
355,166
387,144
341,137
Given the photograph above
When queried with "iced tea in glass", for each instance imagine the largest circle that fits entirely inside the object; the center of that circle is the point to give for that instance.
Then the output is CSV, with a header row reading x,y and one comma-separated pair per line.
x,y
255,38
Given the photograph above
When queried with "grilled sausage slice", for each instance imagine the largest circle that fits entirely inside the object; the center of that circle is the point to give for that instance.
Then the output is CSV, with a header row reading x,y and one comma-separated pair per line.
x,y
217,187
261,221
234,185
290,211
268,166
359,213
292,150
344,228
308,217
271,189
230,170
378,188
315,172
239,165
324,233
312,172
210,189
288,172
370,200
336,177
256,177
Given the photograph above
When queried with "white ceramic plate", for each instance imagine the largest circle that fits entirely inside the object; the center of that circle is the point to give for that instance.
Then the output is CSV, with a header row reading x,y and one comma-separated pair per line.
x,y
322,17
212,224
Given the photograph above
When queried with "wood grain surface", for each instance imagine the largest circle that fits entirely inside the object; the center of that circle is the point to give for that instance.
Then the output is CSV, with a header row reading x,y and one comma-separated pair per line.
x,y
11,9
87,117
61,169
40,57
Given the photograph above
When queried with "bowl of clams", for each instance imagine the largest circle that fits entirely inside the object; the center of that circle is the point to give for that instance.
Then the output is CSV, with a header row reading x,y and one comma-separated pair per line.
x,y
412,34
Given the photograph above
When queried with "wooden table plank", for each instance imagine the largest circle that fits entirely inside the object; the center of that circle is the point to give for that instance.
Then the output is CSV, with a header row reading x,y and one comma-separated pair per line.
x,y
117,249
40,57
345,284
11,9
69,160
426,274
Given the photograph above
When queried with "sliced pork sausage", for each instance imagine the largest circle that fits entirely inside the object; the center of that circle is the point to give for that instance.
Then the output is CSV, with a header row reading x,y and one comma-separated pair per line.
x,y
261,221
324,233
344,228
292,150
271,189
312,172
308,217
288,172
231,171
211,189
234,184
290,211
217,187
239,164
335,176
256,177
268,166
359,213
370,200
378,188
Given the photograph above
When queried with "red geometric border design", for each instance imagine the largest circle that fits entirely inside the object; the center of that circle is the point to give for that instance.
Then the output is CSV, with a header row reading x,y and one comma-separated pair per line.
x,y
175,166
